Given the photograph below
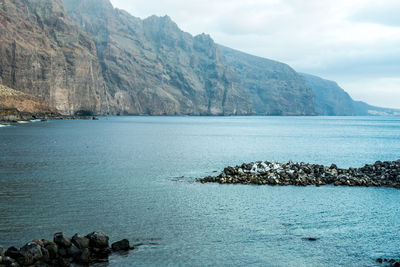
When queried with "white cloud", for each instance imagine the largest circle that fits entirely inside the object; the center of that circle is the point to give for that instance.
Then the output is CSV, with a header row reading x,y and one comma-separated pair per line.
x,y
345,40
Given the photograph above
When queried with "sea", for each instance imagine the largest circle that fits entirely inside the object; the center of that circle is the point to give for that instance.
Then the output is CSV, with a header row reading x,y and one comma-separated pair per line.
x,y
136,178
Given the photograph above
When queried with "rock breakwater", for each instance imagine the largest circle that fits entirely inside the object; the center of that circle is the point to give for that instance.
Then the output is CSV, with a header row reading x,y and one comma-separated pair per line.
x,y
379,174
63,251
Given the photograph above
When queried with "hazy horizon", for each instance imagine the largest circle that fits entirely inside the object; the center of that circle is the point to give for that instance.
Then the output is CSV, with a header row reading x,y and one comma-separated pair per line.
x,y
355,43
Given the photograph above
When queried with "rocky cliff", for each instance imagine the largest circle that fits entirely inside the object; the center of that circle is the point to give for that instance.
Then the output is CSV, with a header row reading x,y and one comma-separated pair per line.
x,y
15,106
152,67
85,57
274,88
332,100
43,53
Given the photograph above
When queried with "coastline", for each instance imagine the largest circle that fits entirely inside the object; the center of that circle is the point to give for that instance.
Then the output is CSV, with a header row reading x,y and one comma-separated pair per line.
x,y
6,120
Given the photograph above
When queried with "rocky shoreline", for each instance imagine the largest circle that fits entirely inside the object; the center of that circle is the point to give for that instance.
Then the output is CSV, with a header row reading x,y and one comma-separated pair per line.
x,y
379,174
63,251
38,117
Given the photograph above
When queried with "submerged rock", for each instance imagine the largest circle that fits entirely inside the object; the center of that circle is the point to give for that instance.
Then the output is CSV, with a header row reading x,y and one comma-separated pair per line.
x,y
310,239
121,245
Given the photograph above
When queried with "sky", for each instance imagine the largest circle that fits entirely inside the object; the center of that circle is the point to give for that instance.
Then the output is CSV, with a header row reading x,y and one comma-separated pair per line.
x,y
353,42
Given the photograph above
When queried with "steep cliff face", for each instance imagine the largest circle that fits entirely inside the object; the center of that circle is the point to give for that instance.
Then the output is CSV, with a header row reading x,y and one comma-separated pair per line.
x,y
15,105
274,87
332,100
152,67
44,54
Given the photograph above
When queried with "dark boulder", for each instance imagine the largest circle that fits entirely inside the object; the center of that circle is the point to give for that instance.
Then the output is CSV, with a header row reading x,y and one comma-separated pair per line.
x,y
84,257
9,262
98,240
100,253
52,248
45,253
31,253
80,241
73,251
45,242
39,242
62,240
63,252
63,262
13,253
122,245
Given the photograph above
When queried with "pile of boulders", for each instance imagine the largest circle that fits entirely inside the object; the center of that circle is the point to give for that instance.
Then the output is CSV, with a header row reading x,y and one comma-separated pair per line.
x,y
302,174
63,251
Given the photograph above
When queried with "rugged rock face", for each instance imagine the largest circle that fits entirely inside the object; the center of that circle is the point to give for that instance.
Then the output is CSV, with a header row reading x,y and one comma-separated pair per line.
x,y
101,60
332,100
44,54
152,67
15,106
274,87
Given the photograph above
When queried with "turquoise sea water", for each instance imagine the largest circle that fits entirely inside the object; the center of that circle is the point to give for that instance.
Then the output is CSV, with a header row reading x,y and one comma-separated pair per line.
x,y
134,177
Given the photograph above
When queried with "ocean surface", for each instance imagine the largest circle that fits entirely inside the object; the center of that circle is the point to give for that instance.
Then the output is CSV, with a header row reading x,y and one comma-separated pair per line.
x,y
134,177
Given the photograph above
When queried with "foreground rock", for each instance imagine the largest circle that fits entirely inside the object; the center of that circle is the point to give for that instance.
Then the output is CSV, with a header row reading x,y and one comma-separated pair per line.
x,y
385,174
63,251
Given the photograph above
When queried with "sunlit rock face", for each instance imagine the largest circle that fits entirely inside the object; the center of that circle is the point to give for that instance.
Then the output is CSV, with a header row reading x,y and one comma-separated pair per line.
x,y
16,105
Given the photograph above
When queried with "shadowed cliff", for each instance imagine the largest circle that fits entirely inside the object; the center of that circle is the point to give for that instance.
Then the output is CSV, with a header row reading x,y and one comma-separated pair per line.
x,y
43,53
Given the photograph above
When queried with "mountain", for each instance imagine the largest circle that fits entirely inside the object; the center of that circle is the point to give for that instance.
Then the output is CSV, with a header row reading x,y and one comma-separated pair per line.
x,y
85,57
274,87
15,106
153,67
332,100
43,53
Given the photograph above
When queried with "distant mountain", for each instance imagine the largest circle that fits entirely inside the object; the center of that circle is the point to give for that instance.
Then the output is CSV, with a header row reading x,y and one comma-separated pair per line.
x,y
332,100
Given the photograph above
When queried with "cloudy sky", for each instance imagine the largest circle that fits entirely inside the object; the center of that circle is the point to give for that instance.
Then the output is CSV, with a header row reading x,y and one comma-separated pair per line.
x,y
354,42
